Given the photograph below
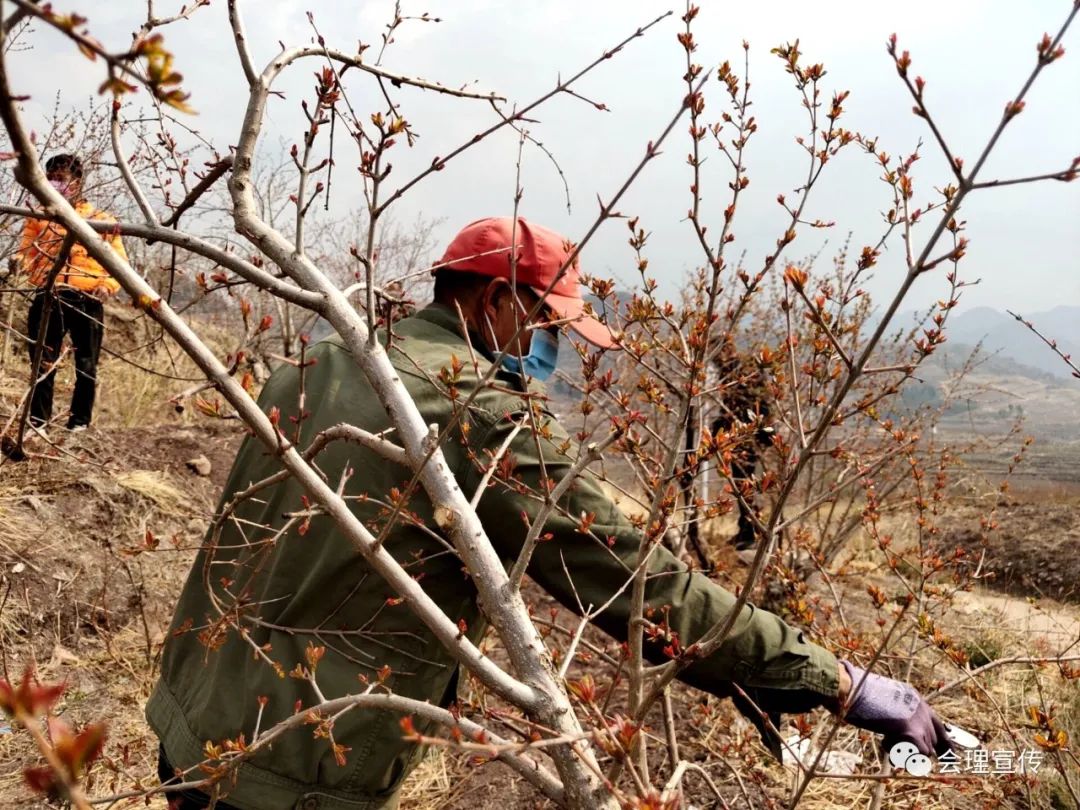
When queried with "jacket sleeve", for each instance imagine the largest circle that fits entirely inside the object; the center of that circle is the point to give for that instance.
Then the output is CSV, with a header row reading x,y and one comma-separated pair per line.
x,y
117,244
29,253
774,662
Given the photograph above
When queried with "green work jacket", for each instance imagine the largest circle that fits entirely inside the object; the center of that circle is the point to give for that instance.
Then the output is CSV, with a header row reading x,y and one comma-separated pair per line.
x,y
308,585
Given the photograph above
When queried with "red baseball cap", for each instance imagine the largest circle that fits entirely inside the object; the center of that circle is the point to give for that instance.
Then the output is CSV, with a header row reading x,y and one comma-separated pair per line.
x,y
483,247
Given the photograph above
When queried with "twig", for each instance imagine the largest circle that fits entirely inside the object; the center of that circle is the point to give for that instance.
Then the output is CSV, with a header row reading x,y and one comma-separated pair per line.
x,y
1051,343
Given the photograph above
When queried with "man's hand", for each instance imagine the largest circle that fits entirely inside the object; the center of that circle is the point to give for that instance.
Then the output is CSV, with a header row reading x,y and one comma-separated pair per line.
x,y
844,679
100,292
891,708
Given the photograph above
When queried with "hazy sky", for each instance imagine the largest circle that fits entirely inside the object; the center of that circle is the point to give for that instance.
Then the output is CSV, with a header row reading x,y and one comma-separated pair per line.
x,y
974,56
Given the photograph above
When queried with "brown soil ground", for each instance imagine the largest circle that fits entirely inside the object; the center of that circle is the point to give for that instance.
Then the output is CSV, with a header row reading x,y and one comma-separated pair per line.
x,y
83,597
77,596
1034,551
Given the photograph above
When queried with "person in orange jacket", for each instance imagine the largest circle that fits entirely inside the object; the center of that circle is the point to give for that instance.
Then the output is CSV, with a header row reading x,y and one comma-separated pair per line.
x,y
77,292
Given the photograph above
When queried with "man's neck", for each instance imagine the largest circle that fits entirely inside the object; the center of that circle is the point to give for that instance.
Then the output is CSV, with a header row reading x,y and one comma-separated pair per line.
x,y
480,346
473,334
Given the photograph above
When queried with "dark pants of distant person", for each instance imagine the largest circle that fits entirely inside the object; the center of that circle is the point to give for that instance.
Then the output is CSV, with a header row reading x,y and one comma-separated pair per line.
x,y
81,316
742,469
188,799
744,460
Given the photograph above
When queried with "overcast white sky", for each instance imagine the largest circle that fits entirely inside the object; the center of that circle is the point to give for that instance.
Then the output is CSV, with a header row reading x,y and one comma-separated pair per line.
x,y
974,55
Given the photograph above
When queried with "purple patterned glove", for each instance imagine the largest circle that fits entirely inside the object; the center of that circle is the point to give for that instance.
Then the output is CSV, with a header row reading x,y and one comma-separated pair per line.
x,y
895,710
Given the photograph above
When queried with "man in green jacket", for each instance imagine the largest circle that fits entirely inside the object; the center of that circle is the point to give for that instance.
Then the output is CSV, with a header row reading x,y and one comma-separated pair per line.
x,y
276,581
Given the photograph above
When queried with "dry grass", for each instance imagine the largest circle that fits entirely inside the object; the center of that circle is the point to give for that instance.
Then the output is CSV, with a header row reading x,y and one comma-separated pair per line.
x,y
987,626
89,614
156,487
432,783
69,609
73,602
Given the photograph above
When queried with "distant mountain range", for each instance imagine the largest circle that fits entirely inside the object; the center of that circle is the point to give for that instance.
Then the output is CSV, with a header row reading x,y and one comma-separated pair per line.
x,y
1000,334
1016,350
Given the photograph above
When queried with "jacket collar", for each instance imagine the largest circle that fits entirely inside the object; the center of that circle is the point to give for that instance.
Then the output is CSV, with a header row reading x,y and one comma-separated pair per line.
x,y
447,318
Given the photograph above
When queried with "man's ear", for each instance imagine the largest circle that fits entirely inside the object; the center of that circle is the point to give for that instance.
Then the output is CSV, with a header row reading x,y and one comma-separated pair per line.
x,y
493,298
487,305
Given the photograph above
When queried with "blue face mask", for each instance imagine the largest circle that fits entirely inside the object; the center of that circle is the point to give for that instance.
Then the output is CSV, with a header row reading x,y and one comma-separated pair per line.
x,y
542,358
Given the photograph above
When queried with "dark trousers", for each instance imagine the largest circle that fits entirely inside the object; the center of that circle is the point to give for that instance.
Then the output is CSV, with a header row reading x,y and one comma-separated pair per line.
x,y
188,799
80,316
742,469
744,459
